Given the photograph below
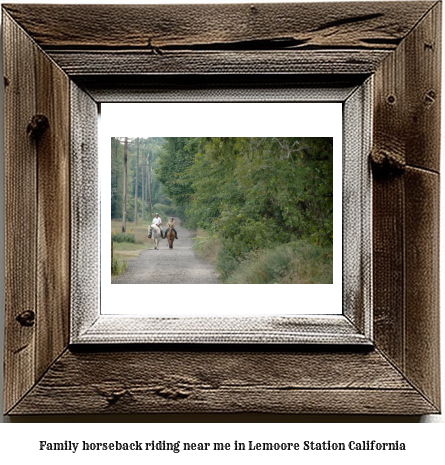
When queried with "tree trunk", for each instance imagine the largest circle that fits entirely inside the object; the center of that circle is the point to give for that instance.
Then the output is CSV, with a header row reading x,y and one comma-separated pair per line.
x,y
117,175
143,190
136,186
148,182
124,200
117,170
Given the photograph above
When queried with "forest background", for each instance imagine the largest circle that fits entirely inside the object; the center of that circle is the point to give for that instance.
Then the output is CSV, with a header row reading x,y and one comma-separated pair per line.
x,y
262,208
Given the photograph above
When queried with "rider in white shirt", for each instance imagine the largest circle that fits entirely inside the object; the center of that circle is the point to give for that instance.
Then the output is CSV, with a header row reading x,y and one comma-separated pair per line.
x,y
158,222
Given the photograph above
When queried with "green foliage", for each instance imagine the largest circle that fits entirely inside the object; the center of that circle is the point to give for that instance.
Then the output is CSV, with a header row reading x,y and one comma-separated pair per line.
x,y
207,247
178,153
299,262
147,147
252,193
118,267
249,194
165,211
123,237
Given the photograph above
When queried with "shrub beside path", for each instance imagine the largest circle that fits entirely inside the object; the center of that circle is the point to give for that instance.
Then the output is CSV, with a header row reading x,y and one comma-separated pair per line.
x,y
180,265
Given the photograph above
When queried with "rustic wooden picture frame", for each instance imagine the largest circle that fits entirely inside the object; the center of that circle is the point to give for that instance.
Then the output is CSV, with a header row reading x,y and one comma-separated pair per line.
x,y
74,57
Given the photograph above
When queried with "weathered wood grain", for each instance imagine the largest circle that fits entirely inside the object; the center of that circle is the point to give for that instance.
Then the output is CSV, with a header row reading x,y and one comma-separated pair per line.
x,y
112,329
223,382
423,91
422,364
388,268
407,113
53,228
357,209
406,132
388,198
79,63
218,88
399,42
85,211
153,27
37,218
20,213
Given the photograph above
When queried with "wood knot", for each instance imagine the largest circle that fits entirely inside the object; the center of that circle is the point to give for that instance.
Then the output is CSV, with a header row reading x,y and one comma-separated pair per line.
x,y
172,393
113,395
37,126
387,163
26,318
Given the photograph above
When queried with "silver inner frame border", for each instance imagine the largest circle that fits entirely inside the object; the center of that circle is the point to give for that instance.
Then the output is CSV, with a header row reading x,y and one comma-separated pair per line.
x,y
353,327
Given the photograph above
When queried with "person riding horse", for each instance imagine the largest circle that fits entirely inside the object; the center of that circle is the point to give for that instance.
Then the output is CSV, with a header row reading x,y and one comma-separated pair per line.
x,y
158,222
171,224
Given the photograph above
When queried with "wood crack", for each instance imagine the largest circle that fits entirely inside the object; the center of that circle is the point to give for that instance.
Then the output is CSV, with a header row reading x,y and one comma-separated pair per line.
x,y
242,46
353,19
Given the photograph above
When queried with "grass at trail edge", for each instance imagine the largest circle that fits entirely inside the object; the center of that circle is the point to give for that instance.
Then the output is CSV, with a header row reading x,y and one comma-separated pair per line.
x,y
297,262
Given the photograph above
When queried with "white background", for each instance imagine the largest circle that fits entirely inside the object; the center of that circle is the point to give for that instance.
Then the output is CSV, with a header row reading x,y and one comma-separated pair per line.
x,y
19,441
222,120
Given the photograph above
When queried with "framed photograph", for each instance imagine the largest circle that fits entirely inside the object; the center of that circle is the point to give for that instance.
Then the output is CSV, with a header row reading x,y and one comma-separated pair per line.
x,y
272,76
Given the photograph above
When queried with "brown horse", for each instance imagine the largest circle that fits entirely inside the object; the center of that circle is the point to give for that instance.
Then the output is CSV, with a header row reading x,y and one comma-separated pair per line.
x,y
170,235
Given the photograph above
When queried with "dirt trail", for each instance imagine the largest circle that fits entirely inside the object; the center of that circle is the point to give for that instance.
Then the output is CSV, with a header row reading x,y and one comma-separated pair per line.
x,y
179,265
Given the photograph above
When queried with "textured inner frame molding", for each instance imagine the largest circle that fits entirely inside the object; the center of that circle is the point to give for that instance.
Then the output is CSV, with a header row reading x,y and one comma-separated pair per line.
x,y
105,51
353,326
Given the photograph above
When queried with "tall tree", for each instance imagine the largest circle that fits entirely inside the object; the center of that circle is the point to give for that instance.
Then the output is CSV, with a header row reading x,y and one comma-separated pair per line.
x,y
136,187
149,184
143,190
124,203
177,155
133,208
116,177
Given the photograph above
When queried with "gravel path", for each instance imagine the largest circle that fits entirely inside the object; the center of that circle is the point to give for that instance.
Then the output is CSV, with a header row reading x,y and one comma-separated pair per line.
x,y
179,265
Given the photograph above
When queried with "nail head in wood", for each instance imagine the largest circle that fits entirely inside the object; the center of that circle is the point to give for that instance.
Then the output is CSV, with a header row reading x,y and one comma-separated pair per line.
x,y
114,397
430,97
26,318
